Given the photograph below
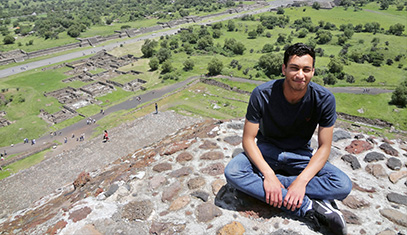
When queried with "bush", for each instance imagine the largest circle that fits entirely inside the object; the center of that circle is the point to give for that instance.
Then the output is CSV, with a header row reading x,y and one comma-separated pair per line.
x,y
166,67
188,65
8,39
371,79
154,63
215,67
399,96
330,79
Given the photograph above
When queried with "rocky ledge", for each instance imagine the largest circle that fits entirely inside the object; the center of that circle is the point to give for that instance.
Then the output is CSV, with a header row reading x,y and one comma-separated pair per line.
x,y
177,186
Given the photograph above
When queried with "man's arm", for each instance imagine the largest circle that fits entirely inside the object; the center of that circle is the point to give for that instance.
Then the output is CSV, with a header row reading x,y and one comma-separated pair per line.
x,y
296,190
272,186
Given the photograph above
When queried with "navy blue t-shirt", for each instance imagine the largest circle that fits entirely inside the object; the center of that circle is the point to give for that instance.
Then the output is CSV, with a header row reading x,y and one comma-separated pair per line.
x,y
290,126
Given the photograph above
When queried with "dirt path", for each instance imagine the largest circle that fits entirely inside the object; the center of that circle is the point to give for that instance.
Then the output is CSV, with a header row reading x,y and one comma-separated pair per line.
x,y
20,190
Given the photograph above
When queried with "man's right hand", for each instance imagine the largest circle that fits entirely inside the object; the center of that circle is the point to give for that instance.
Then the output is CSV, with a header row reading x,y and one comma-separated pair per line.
x,y
272,188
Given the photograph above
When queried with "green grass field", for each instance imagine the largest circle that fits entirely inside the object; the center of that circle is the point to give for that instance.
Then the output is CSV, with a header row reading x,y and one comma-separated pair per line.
x,y
31,85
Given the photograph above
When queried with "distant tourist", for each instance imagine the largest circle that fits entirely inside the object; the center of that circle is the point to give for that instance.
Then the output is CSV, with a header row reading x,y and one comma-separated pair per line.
x,y
156,108
105,136
65,140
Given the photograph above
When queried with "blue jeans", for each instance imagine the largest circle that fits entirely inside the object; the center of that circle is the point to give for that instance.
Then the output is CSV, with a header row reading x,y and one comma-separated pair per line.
x,y
329,183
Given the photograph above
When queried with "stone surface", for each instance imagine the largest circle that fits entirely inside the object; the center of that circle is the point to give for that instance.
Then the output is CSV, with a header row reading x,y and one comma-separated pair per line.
x,y
397,198
193,197
352,160
201,195
165,166
183,171
233,140
172,191
388,149
112,189
217,185
196,183
214,169
184,157
394,163
376,170
350,217
374,157
208,145
137,210
82,179
394,177
179,203
157,181
80,214
358,146
395,216
207,211
166,228
212,155
354,202
340,134
234,228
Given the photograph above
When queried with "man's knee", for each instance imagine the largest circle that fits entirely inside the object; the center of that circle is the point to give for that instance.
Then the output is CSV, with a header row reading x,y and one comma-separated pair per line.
x,y
344,186
234,169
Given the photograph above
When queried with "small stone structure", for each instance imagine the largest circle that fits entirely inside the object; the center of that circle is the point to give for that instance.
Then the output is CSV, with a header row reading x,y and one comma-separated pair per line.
x,y
97,89
57,117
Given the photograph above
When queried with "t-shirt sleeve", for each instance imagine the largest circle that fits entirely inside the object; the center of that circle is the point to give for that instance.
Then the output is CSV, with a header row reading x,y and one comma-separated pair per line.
x,y
328,118
254,110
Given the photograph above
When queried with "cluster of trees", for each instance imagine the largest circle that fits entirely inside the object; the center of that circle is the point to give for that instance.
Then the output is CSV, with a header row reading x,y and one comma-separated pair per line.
x,y
77,16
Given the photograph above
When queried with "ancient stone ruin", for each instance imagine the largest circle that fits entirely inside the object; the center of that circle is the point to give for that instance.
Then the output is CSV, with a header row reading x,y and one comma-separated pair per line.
x,y
99,84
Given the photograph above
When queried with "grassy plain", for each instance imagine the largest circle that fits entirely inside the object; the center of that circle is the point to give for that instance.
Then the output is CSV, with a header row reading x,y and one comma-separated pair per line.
x,y
31,85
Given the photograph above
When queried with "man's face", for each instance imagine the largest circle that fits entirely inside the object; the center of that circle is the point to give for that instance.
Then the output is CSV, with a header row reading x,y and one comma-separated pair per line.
x,y
298,72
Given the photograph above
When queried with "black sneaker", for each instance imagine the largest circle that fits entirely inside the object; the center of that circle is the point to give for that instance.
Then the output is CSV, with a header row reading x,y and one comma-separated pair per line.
x,y
327,212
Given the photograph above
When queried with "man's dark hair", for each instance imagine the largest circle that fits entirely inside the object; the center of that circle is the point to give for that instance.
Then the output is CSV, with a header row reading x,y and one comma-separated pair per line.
x,y
299,49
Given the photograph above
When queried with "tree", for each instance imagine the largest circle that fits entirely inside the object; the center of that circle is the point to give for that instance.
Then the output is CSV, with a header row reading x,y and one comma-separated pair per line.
x,y
316,5
302,33
252,34
231,26
74,31
271,64
188,65
350,78
280,11
154,63
396,29
324,36
163,54
330,79
216,33
260,29
8,39
399,96
215,67
166,67
148,48
205,43
335,65
267,48
371,79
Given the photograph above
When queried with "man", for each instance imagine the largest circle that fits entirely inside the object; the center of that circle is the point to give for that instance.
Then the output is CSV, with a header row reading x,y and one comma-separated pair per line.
x,y
281,168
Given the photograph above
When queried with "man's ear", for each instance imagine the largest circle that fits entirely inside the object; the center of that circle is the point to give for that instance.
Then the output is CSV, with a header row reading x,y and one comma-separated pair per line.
x,y
283,69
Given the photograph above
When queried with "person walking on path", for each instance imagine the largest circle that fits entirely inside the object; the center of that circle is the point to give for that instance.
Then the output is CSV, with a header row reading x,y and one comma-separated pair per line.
x,y
280,168
156,108
105,136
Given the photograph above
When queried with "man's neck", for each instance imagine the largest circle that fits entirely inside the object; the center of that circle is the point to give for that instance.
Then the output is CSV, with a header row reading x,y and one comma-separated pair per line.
x,y
292,96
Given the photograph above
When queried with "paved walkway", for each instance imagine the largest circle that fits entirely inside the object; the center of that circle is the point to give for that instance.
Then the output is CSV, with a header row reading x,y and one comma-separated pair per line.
x,y
81,127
